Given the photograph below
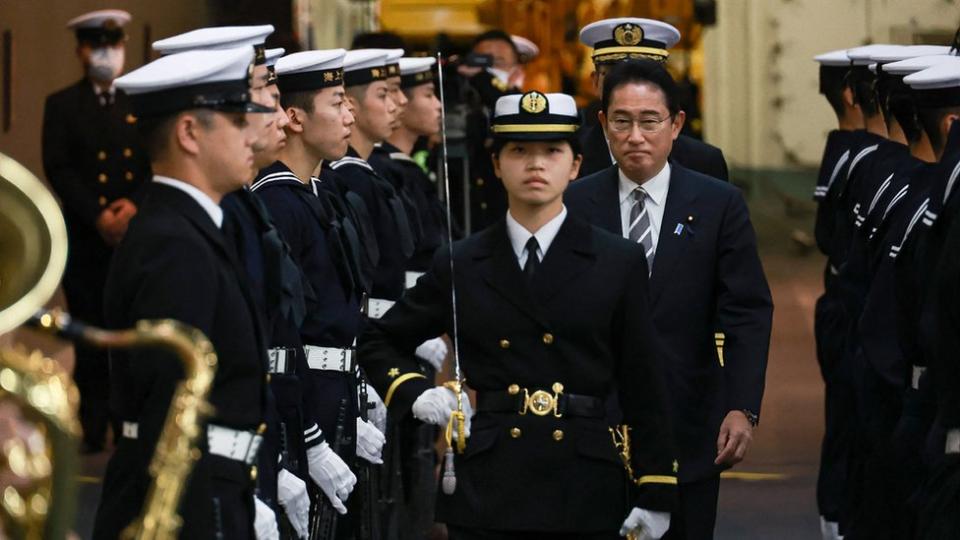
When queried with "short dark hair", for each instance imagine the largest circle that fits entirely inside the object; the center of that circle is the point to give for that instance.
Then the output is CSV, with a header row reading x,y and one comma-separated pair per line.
x,y
863,82
898,103
499,143
641,71
497,35
833,81
930,119
301,99
155,130
378,40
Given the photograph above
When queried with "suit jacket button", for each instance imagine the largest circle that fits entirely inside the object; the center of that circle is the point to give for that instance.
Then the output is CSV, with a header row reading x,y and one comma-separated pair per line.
x,y
101,155
504,344
102,178
558,435
548,338
515,433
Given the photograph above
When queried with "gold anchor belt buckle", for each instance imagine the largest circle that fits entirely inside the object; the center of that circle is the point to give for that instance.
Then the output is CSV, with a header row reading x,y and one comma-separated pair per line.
x,y
541,402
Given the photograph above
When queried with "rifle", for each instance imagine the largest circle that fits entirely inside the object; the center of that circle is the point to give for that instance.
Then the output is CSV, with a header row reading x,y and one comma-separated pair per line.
x,y
283,522
323,525
369,480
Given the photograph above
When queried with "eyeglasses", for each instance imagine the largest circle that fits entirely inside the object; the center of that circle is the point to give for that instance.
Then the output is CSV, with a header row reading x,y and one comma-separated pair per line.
x,y
624,124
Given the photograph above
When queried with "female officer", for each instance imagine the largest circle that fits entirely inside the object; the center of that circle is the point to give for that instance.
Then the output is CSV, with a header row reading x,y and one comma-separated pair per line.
x,y
553,324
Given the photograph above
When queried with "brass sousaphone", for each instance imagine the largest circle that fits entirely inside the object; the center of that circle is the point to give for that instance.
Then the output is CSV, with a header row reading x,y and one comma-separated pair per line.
x,y
39,502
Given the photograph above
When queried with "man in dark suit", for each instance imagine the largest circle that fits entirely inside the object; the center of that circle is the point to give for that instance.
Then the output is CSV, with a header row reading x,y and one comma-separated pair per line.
x,y
93,160
552,318
709,298
616,40
176,262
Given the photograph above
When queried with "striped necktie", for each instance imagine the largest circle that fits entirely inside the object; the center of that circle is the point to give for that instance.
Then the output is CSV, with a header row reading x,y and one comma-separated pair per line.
x,y
640,230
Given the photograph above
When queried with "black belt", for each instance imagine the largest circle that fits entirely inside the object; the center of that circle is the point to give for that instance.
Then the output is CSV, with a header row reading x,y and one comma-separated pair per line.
x,y
519,402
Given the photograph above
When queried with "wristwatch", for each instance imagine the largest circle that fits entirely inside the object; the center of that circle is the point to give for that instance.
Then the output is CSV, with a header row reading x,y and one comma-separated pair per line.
x,y
751,417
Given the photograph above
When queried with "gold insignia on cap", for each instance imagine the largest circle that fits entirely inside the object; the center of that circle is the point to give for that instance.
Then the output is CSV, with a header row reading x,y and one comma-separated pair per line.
x,y
628,34
328,76
375,72
533,102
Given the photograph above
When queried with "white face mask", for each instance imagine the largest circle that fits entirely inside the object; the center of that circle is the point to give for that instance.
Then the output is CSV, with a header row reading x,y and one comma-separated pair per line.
x,y
503,76
106,63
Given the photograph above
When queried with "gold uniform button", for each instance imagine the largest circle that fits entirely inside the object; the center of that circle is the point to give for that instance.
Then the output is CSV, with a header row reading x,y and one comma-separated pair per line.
x,y
267,378
101,155
128,176
483,206
103,201
548,338
515,433
513,389
479,182
504,343
102,178
558,435
261,429
253,473
127,152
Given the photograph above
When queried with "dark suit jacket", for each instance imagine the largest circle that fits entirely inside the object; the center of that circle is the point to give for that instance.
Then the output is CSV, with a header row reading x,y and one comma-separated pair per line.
x,y
706,280
585,324
687,151
175,263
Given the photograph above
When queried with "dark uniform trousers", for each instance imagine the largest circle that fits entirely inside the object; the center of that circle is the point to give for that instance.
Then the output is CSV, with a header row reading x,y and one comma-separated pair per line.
x,y
175,263
91,157
705,225
582,322
687,151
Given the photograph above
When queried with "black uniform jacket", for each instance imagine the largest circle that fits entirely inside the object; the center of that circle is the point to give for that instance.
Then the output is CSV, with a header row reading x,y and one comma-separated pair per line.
x,y
707,280
687,151
333,317
584,323
175,263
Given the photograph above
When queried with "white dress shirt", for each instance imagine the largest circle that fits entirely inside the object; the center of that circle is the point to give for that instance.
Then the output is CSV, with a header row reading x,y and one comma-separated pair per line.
x,y
654,202
211,208
519,236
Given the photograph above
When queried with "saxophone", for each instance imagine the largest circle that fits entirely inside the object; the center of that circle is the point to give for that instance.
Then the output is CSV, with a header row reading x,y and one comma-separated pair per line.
x,y
40,500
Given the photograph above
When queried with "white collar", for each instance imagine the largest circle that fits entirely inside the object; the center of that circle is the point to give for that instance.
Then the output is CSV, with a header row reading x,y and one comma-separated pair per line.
x,y
211,208
519,235
655,187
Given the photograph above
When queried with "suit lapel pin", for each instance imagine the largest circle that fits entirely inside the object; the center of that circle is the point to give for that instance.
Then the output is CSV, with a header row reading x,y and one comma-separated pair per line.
x,y
679,229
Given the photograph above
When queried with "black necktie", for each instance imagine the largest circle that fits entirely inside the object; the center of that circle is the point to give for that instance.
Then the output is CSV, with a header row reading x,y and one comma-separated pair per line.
x,y
530,268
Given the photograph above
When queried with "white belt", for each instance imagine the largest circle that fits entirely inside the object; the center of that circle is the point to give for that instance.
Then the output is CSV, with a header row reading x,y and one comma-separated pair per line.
x,y
377,307
233,444
281,360
330,358
410,279
917,372
131,430
953,442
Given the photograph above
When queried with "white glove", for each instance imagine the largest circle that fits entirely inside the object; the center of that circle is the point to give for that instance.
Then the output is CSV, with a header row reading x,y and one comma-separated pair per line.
x,y
433,351
369,442
829,530
377,415
265,522
331,475
435,405
648,525
292,496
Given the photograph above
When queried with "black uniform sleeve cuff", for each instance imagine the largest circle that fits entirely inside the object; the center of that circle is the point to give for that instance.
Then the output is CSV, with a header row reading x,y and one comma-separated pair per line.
x,y
657,493
404,390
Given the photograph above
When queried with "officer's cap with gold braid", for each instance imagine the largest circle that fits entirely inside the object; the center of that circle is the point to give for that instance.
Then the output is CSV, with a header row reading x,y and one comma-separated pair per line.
x,y
217,80
271,56
310,70
99,28
535,117
217,38
416,71
629,37
364,66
